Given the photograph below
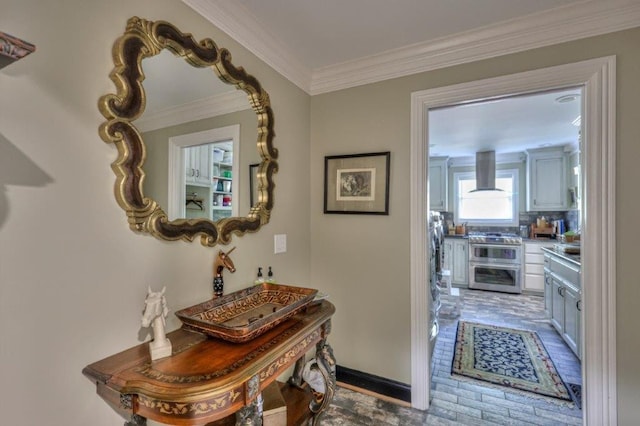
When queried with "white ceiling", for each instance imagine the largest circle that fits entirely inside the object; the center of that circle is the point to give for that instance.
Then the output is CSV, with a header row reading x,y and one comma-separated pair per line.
x,y
507,125
327,45
328,32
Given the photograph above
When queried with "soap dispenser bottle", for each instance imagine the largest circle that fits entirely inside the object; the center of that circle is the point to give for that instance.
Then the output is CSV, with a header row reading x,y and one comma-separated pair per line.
x,y
270,278
259,277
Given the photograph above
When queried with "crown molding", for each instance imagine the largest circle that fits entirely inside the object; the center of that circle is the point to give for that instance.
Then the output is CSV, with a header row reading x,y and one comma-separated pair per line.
x,y
241,25
212,106
566,23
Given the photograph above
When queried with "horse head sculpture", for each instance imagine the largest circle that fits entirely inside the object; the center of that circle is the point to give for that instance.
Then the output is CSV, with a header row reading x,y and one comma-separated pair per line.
x,y
155,311
221,262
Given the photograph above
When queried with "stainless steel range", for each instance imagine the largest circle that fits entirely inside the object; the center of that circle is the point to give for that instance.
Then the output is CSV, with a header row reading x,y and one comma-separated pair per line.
x,y
495,262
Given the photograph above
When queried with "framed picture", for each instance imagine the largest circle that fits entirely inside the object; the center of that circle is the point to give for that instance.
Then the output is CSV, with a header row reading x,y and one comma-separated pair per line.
x,y
253,184
357,183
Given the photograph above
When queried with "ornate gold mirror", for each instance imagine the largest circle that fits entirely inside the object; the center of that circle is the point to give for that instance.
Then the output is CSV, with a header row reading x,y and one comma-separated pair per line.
x,y
144,39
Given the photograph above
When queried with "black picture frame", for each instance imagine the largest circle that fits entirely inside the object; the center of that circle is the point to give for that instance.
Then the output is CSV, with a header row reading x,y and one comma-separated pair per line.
x,y
357,183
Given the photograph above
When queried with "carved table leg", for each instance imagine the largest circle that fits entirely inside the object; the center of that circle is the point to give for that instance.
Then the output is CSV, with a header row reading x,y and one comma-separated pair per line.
x,y
250,415
326,364
296,377
136,420
126,403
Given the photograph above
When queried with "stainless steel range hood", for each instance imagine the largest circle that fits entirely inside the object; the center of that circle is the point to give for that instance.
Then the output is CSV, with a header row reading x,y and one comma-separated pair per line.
x,y
486,171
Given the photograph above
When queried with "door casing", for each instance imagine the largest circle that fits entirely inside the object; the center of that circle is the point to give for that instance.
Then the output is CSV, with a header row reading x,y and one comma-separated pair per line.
x,y
597,77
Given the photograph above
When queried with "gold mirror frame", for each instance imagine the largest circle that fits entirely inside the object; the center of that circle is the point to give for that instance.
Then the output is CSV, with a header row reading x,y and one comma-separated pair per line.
x,y
143,39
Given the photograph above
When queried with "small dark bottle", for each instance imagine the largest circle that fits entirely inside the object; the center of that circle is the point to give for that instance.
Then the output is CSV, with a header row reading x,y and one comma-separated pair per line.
x,y
218,286
270,278
259,278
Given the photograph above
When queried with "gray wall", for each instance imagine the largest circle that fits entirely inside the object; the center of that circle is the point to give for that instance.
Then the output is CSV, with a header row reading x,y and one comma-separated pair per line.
x,y
73,276
364,261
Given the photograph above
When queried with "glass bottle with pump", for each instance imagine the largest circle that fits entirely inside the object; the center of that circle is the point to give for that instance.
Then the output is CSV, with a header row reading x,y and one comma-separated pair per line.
x,y
259,277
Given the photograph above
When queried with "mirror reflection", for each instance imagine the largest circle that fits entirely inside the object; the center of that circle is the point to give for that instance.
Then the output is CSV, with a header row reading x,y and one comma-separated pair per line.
x,y
187,123
210,197
201,184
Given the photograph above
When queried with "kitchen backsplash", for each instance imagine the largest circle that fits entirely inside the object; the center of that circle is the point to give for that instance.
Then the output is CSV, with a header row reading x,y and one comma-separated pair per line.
x,y
571,219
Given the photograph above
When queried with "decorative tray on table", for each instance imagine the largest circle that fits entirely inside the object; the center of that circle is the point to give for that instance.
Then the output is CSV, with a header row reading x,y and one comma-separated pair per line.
x,y
244,315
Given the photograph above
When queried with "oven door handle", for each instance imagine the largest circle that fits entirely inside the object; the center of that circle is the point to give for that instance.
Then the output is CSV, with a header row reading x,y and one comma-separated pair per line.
x,y
515,266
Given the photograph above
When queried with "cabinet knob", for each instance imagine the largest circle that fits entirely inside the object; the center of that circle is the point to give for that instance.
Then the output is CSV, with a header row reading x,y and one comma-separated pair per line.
x,y
197,173
579,305
193,172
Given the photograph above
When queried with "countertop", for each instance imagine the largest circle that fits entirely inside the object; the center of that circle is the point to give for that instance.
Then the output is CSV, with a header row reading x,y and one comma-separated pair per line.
x,y
524,240
573,258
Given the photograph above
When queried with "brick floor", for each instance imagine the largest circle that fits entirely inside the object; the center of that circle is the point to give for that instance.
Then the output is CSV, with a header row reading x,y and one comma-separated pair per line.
x,y
462,402
500,406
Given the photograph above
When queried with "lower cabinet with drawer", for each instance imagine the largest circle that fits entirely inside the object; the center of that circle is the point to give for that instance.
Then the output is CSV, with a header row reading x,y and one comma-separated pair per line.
x,y
534,266
456,259
562,296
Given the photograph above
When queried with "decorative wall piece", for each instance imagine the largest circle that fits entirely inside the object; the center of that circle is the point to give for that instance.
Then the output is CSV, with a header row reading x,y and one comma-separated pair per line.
x,y
357,183
143,39
12,49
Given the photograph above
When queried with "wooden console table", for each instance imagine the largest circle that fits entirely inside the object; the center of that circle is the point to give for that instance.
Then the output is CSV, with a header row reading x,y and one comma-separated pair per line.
x,y
208,380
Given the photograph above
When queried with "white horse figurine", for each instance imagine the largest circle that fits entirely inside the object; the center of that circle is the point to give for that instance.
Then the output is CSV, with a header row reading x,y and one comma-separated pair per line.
x,y
156,310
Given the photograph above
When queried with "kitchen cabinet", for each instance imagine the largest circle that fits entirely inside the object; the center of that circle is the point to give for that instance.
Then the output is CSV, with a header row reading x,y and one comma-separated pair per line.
x,y
563,296
547,187
438,187
211,167
198,165
456,259
557,305
571,333
534,266
548,292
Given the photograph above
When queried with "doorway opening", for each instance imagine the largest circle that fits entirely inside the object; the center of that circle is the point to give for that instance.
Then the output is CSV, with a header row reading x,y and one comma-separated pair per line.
x,y
598,251
203,174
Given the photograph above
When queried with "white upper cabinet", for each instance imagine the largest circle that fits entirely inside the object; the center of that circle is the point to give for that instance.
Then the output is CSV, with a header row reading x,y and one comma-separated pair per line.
x,y
438,188
547,187
197,165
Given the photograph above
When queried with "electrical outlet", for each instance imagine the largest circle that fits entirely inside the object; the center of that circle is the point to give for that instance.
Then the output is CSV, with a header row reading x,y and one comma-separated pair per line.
x,y
280,243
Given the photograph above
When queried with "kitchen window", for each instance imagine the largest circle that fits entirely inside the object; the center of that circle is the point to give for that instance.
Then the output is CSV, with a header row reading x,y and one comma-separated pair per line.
x,y
486,208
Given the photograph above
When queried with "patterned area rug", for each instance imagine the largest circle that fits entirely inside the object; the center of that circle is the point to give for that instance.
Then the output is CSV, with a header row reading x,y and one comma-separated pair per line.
x,y
506,357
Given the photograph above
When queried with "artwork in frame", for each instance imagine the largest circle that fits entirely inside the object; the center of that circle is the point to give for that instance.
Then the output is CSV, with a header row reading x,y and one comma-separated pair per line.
x,y
253,184
357,183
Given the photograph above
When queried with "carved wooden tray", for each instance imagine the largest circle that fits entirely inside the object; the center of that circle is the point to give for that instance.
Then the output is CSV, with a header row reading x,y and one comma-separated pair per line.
x,y
246,314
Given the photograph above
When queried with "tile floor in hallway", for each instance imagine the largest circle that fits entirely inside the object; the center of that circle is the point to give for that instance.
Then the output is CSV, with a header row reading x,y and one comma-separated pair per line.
x,y
461,402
